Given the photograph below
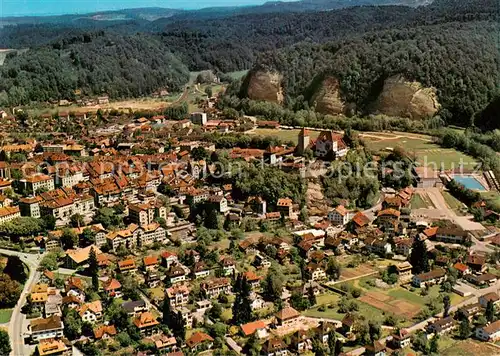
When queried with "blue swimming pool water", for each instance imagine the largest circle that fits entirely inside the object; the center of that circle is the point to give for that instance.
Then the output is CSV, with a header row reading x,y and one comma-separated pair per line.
x,y
469,182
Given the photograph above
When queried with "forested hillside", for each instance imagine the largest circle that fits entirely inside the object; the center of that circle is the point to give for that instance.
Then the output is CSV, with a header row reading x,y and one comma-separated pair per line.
x,y
460,60
120,66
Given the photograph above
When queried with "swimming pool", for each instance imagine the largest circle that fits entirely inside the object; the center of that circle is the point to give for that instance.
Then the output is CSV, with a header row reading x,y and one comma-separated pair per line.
x,y
469,182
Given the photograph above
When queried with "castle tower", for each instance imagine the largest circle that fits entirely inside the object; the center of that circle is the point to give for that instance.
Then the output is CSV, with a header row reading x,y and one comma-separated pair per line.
x,y
304,141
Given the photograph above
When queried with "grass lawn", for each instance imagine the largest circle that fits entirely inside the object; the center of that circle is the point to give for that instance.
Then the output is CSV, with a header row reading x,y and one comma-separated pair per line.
x,y
492,197
156,293
420,201
284,135
453,203
427,152
5,315
325,299
238,74
451,347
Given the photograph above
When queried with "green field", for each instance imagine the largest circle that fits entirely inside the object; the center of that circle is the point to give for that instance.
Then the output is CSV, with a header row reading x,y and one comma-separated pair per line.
x,y
420,201
427,152
238,74
452,202
284,135
492,197
5,315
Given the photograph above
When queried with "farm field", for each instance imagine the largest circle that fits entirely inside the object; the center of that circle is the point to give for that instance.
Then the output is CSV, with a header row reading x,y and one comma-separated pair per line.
x,y
357,272
427,152
284,135
452,347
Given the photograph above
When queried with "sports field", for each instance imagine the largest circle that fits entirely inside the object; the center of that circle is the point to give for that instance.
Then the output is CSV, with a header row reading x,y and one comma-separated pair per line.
x,y
427,152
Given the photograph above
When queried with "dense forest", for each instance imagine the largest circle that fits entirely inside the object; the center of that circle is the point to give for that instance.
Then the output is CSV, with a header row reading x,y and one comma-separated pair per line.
x,y
460,60
98,63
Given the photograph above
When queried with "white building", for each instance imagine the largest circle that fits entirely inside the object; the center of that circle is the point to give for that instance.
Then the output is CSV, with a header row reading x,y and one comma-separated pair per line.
x,y
489,332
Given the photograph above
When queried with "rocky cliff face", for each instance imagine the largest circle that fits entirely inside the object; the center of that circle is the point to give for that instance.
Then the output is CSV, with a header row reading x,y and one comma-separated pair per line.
x,y
326,99
263,85
403,98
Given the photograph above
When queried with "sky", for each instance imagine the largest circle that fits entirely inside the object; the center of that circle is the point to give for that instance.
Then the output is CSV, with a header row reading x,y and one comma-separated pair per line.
x,y
61,7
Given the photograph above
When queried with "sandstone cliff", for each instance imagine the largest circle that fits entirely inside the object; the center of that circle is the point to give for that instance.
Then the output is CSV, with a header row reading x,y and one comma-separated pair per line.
x,y
326,98
403,98
264,85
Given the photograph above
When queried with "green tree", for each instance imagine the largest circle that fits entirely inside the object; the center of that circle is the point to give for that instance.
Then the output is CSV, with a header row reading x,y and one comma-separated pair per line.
x,y
333,268
49,262
77,220
339,347
273,284
94,269
464,329
15,269
88,237
242,310
434,344
419,258
311,296
374,330
5,348
446,305
332,341
72,324
167,311
69,239
490,311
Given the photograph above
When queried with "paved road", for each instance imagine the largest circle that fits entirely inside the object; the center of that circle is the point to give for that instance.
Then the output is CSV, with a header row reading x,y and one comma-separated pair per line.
x,y
17,320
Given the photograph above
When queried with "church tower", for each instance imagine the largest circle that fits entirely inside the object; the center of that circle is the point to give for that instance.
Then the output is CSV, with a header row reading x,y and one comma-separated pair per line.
x,y
304,141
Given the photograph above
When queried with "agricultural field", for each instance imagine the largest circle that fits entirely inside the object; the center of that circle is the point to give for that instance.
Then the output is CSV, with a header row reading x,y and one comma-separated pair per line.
x,y
356,272
469,347
427,152
284,135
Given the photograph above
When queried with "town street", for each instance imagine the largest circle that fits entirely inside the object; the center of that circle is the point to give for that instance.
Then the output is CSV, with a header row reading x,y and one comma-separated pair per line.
x,y
17,320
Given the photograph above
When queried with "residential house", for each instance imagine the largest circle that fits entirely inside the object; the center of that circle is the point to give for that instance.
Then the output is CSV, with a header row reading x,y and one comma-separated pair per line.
x,y
348,323
78,257
316,271
176,274
401,339
91,312
252,279
490,332
301,341
483,279
75,287
169,258
9,213
452,234
492,296
54,347
228,266
135,307
200,341
470,311
127,266
435,276
404,271
285,207
403,246
274,347
376,348
48,328
219,203
477,262
104,332
442,326
259,327
30,206
146,323
462,269
37,182
200,270
287,316
178,295
216,286
339,216
150,263
152,279
113,287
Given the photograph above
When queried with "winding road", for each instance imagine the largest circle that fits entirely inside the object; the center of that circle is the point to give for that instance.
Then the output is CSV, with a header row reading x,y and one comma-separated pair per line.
x,y
17,320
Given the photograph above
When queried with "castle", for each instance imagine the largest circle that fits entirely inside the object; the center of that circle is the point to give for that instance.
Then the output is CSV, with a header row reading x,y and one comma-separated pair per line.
x,y
328,145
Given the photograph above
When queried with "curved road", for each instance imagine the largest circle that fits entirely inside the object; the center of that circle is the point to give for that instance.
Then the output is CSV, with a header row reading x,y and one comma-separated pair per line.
x,y
17,320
